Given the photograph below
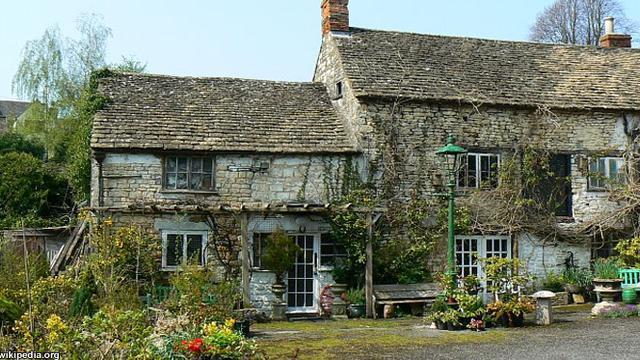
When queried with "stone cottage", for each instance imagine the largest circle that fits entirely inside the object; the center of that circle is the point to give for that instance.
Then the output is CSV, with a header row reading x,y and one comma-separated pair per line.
x,y
188,156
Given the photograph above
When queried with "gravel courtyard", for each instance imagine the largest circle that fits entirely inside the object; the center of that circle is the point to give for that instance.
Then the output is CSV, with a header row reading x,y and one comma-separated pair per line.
x,y
575,335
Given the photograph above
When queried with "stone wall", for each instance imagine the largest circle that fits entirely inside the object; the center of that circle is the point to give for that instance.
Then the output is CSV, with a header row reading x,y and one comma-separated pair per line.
x,y
225,261
542,257
137,178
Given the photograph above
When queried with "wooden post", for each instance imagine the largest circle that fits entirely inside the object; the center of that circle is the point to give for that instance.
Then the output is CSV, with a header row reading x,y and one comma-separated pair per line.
x,y
368,277
244,241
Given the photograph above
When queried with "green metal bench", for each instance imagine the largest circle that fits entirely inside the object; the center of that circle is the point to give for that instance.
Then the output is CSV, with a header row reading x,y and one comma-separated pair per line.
x,y
162,293
630,278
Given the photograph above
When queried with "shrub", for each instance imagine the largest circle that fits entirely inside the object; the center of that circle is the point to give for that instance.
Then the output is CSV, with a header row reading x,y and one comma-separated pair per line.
x,y
280,254
629,252
197,296
606,268
554,282
14,142
30,190
355,296
9,312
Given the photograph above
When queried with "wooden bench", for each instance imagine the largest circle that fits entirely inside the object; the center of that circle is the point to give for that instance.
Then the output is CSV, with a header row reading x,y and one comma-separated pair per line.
x,y
630,278
417,295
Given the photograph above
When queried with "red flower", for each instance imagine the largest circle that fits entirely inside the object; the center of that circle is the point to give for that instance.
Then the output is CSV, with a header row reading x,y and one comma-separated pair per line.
x,y
195,345
184,342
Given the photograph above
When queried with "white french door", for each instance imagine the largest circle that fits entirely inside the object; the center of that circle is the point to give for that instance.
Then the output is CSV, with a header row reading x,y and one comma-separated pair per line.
x,y
302,280
471,247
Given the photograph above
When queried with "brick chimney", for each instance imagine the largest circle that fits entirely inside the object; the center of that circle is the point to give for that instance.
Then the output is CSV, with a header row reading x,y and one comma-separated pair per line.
x,y
612,40
335,16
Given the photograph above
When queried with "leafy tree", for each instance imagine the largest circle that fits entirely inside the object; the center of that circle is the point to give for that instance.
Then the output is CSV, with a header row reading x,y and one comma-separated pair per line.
x,y
14,142
579,22
29,191
55,73
52,73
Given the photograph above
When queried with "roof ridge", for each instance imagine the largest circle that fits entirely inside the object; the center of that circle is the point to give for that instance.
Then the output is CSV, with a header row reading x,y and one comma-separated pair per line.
x,y
525,42
151,75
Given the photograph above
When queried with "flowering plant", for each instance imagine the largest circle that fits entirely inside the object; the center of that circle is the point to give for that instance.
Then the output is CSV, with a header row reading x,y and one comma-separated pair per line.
x,y
476,324
217,341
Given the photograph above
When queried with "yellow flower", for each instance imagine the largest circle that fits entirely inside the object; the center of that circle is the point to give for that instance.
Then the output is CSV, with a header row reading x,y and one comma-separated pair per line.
x,y
108,221
55,325
229,323
210,329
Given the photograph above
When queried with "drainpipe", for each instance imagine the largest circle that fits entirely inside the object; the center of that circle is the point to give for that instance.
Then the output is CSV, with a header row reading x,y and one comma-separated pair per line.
x,y
99,159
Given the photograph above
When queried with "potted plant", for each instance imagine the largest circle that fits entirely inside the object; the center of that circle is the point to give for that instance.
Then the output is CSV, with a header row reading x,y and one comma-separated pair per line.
x,y
577,281
356,300
279,257
471,284
436,311
510,313
606,281
470,307
451,318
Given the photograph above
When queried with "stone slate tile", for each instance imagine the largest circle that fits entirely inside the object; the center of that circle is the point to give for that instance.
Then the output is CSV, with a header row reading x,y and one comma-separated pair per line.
x,y
158,112
431,67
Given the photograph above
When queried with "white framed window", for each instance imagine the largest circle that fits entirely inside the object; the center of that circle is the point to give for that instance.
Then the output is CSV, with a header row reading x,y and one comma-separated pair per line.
x,y
331,252
479,170
189,173
259,245
471,247
605,172
183,246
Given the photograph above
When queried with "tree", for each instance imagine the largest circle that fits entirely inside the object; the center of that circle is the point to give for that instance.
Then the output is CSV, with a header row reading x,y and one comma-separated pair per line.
x,y
29,191
579,22
55,74
13,142
52,73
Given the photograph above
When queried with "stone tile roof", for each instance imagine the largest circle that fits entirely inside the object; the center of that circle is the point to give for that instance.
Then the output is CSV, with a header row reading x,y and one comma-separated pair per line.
x,y
428,67
156,112
13,107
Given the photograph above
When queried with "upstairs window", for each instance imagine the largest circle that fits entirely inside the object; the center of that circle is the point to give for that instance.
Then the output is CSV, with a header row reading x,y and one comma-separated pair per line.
x,y
605,172
183,247
189,173
479,171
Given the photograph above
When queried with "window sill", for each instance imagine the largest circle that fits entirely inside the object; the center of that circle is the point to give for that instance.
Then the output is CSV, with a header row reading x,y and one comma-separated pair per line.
x,y
203,192
175,268
565,219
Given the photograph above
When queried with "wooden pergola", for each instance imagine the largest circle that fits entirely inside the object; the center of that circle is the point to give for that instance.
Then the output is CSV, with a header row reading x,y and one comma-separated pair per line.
x,y
243,210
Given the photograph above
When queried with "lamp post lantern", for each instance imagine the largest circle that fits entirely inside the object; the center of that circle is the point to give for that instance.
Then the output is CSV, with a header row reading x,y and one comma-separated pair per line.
x,y
451,152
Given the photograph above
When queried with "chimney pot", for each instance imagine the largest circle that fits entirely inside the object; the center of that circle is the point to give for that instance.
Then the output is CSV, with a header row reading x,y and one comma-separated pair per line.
x,y
335,16
609,25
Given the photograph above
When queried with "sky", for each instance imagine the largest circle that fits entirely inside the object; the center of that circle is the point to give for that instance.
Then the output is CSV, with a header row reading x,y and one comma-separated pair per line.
x,y
259,39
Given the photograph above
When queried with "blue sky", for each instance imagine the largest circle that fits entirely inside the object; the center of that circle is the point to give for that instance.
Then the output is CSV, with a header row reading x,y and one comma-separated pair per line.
x,y
262,39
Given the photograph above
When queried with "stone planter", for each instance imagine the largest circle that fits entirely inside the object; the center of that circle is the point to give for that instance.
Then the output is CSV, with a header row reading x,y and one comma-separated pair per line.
x,y
606,284
339,306
608,290
279,307
355,311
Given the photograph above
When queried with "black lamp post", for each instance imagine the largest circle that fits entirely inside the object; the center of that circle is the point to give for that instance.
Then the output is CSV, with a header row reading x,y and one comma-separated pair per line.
x,y
451,152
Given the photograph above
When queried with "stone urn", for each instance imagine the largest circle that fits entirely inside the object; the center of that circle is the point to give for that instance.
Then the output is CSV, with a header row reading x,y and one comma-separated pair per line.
x,y
279,307
608,289
339,305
